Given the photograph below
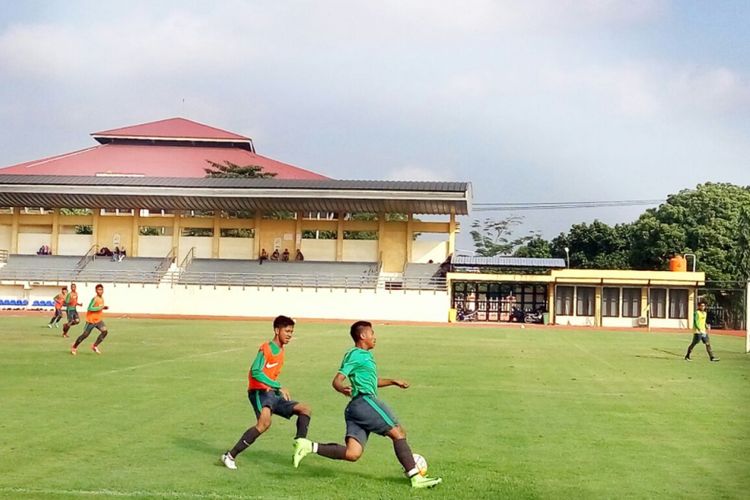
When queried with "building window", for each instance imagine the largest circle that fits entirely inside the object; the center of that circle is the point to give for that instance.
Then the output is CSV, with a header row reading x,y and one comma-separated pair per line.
x,y
631,302
564,301
611,303
116,211
585,300
237,233
658,303
678,304
200,232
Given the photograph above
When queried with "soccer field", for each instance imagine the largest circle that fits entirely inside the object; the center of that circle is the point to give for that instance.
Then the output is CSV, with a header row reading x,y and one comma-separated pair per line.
x,y
498,413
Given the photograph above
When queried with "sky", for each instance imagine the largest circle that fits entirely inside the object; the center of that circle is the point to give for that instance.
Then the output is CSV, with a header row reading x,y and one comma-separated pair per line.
x,y
529,100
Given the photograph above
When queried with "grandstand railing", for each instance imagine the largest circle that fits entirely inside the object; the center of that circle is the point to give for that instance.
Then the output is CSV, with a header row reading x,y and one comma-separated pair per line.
x,y
166,262
156,276
3,256
188,259
87,257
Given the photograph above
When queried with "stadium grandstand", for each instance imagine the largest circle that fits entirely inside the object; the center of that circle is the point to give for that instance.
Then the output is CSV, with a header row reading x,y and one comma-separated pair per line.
x,y
137,213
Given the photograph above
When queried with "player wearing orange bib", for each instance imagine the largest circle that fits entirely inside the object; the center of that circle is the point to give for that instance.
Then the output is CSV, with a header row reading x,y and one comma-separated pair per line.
x,y
71,303
94,314
59,300
266,395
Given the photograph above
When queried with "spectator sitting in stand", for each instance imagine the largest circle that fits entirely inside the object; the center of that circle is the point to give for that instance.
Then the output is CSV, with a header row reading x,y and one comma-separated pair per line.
x,y
299,255
285,255
275,255
263,256
123,254
104,252
44,250
116,255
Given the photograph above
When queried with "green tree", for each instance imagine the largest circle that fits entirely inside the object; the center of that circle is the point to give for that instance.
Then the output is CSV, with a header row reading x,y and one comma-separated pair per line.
x,y
495,237
709,221
227,169
536,247
595,246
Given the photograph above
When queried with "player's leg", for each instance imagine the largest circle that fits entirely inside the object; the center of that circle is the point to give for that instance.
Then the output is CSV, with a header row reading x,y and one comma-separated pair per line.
x,y
707,342
102,335
356,439
262,408
86,332
58,317
696,339
52,320
304,413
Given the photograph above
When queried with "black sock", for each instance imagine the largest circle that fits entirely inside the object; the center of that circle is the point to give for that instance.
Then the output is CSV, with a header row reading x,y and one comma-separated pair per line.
x,y
101,337
303,422
405,456
81,338
246,440
332,450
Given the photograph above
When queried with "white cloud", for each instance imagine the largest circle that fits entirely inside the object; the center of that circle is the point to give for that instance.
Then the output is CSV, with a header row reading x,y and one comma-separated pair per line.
x,y
417,173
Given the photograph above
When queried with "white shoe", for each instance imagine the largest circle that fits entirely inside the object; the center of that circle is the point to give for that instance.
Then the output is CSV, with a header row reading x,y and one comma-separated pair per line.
x,y
228,461
49,325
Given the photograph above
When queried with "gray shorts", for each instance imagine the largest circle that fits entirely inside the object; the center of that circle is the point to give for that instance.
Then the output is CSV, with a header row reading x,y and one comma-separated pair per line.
x,y
273,400
72,315
365,414
99,325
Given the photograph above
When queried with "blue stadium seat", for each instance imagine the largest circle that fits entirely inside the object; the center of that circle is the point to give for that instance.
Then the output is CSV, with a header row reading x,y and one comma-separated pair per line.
x,y
25,302
49,303
15,302
4,302
35,304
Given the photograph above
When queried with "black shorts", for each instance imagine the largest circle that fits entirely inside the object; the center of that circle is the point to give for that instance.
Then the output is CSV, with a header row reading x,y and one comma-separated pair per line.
x,y
273,400
72,315
700,337
98,325
365,414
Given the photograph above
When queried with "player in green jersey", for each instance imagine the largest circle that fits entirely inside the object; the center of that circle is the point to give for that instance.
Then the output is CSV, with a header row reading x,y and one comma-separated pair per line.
x,y
700,332
365,413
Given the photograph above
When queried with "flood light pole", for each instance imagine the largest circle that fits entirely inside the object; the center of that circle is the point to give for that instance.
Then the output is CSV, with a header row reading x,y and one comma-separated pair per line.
x,y
567,257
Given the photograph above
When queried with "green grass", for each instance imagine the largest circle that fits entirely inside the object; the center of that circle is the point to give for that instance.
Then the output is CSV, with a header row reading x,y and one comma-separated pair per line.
x,y
498,413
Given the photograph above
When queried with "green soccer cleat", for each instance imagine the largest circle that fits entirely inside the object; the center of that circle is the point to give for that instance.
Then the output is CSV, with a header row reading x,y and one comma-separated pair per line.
x,y
302,448
419,481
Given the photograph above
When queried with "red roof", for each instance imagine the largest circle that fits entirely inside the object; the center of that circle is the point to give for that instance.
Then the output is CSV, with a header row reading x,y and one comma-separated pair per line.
x,y
153,161
128,152
175,128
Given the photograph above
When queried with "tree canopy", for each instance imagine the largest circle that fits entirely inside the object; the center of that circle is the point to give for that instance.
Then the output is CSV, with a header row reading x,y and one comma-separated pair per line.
x,y
227,169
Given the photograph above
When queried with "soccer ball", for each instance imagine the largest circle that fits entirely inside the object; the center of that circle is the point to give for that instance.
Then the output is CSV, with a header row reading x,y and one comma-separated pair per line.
x,y
421,463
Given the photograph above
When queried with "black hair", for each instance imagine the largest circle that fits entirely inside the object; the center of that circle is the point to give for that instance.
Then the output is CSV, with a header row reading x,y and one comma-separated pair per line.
x,y
357,328
99,285
282,322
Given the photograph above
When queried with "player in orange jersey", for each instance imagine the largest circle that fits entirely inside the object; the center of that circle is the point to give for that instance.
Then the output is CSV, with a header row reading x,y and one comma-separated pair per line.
x,y
94,315
267,396
59,300
71,304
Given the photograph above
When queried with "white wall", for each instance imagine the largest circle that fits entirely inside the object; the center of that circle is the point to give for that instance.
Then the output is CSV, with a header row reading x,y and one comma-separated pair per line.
x,y
203,247
29,243
324,250
74,244
668,323
360,251
575,320
236,248
259,302
620,322
154,246
5,236
422,251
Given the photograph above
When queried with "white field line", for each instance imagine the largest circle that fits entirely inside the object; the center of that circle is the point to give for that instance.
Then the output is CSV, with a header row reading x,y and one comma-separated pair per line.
x,y
162,361
598,358
120,493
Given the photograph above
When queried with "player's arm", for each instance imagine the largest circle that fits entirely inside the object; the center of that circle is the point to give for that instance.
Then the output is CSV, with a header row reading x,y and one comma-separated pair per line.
x,y
93,308
338,385
385,382
256,370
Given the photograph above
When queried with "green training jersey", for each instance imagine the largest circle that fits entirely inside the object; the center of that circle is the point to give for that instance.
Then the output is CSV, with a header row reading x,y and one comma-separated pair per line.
x,y
359,367
699,321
